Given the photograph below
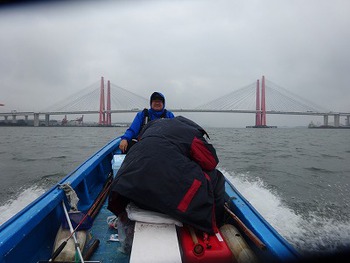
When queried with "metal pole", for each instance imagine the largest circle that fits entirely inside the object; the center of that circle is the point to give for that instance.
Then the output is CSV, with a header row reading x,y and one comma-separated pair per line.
x,y
72,231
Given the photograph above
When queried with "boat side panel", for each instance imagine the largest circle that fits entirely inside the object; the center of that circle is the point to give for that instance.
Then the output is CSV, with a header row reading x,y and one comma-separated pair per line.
x,y
92,184
41,236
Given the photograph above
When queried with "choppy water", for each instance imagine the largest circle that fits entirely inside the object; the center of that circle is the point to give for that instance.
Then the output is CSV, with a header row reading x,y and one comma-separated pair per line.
x,y
298,179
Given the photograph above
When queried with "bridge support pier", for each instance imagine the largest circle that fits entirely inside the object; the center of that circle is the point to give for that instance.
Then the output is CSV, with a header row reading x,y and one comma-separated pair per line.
x,y
6,119
36,119
325,120
14,120
47,120
336,120
347,120
26,119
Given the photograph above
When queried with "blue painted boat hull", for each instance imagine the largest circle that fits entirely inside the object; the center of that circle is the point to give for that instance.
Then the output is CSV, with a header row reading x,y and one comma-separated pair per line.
x,y
30,234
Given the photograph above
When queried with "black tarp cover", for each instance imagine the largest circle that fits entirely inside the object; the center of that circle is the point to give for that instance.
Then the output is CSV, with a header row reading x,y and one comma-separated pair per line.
x,y
172,170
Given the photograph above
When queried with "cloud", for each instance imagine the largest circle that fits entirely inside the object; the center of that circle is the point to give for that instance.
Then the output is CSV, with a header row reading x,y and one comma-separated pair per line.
x,y
192,51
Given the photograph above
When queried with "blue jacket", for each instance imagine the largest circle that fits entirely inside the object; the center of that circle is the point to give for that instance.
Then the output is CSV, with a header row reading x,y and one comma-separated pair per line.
x,y
133,131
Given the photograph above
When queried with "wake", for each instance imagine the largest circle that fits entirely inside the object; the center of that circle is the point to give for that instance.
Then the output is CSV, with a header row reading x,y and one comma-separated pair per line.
x,y
13,206
309,234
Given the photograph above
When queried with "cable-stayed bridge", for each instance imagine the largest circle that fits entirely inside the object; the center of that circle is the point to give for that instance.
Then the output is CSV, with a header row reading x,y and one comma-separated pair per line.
x,y
259,98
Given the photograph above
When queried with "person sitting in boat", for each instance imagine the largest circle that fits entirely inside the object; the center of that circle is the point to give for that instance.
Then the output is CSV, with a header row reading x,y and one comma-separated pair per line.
x,y
172,170
157,111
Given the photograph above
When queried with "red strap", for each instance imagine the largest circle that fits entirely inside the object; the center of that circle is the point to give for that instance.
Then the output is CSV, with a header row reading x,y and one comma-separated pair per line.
x,y
207,176
186,200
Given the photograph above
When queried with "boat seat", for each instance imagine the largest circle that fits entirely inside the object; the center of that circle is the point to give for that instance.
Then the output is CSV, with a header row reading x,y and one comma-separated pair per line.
x,y
155,237
155,243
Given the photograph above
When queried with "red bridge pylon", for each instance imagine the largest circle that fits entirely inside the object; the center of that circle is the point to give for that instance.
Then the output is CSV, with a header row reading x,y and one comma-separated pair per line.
x,y
103,121
260,116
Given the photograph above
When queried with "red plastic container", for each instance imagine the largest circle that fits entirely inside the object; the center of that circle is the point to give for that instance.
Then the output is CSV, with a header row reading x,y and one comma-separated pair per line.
x,y
198,248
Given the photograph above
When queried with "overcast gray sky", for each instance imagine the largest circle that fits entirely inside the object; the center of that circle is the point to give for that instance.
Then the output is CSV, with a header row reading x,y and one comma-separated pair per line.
x,y
192,51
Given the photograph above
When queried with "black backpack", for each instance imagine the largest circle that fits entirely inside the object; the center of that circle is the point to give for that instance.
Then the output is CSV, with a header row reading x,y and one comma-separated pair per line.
x,y
147,119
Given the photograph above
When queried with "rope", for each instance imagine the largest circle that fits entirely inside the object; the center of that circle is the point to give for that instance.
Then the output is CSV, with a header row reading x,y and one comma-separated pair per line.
x,y
71,195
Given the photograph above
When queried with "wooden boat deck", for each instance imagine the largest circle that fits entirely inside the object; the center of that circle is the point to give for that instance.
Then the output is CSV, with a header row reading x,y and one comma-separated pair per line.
x,y
108,251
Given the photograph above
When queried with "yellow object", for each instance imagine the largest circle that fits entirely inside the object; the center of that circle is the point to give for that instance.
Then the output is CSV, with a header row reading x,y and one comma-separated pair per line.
x,y
238,246
68,253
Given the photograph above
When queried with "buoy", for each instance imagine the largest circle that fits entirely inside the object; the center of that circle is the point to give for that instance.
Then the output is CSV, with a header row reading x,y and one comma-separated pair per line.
x,y
242,253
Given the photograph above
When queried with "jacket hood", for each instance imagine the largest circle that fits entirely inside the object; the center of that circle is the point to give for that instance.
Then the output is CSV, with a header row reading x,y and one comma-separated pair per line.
x,y
157,95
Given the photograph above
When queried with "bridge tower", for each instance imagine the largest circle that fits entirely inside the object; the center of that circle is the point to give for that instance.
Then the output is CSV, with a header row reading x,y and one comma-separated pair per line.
x,y
260,116
105,118
263,105
102,104
258,112
109,114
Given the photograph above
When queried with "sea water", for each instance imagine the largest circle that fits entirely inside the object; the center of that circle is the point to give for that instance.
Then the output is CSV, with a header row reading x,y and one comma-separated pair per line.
x,y
297,178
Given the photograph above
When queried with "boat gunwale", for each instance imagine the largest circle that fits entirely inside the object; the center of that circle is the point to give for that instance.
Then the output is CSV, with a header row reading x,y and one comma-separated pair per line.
x,y
273,240
17,227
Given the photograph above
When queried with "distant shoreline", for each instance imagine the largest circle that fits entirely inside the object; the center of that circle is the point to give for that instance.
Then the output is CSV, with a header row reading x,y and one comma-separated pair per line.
x,y
329,127
83,125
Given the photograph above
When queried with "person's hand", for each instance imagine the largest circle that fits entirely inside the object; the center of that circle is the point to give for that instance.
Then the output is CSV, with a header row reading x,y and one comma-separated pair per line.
x,y
123,145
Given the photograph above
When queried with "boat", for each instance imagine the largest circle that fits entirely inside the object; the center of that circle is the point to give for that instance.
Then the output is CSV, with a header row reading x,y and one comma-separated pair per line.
x,y
32,234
